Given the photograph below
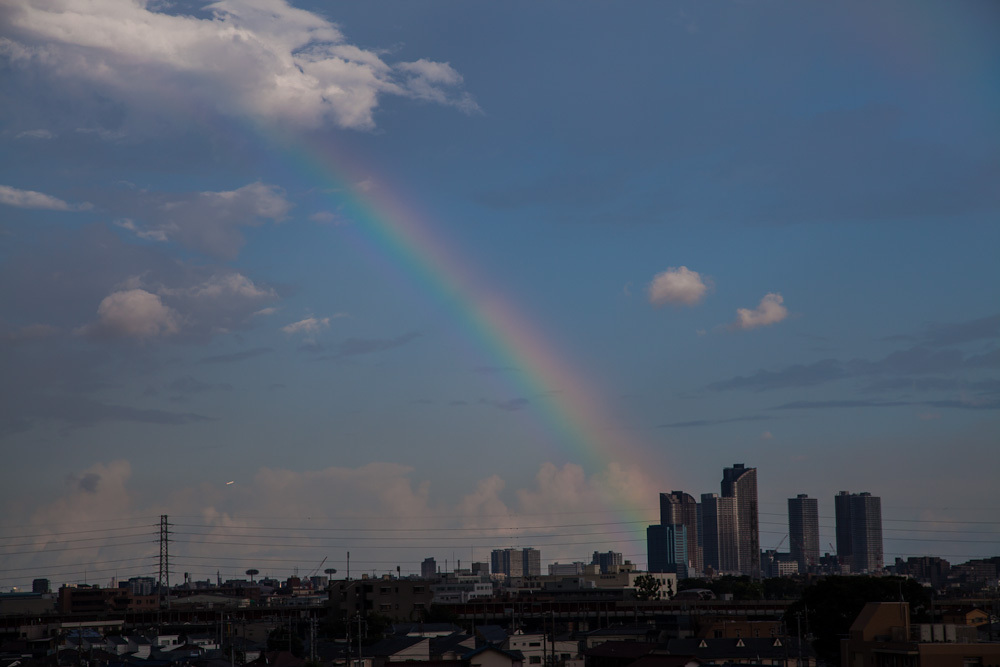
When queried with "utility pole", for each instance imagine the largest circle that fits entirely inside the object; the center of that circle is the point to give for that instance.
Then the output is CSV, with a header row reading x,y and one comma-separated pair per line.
x,y
360,661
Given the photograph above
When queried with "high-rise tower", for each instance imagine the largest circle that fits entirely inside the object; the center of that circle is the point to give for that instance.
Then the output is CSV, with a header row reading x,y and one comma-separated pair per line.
x,y
803,531
859,523
666,549
719,537
842,515
681,509
740,483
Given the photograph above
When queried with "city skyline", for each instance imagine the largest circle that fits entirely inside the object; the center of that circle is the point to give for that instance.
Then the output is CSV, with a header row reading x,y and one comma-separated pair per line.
x,y
858,518
491,268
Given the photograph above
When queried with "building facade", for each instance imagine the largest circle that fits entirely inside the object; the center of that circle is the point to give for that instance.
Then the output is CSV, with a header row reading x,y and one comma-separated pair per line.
x,y
859,531
740,484
681,509
513,563
803,531
667,549
608,562
718,519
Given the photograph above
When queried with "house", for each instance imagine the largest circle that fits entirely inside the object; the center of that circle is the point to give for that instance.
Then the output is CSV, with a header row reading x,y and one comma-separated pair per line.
x,y
452,647
776,651
538,649
621,633
881,636
491,656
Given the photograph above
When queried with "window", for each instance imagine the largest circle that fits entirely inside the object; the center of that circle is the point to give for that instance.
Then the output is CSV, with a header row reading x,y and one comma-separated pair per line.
x,y
534,643
535,660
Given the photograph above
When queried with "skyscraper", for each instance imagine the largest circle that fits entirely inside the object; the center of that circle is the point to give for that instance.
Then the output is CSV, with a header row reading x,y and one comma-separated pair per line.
x,y
666,549
428,569
681,509
531,562
719,540
516,562
803,530
842,515
740,483
608,561
859,524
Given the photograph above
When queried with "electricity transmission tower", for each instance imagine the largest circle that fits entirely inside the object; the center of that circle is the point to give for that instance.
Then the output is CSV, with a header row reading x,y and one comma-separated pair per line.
x,y
164,583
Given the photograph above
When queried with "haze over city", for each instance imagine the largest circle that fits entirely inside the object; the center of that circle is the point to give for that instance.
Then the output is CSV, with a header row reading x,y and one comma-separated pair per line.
x,y
498,274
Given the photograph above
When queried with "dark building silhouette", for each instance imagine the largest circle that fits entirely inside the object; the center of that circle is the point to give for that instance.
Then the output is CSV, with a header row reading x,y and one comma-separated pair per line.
x,y
718,520
608,562
859,531
803,531
667,549
681,509
740,483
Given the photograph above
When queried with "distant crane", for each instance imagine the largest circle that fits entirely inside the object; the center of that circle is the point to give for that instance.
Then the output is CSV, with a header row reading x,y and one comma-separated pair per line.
x,y
317,567
781,542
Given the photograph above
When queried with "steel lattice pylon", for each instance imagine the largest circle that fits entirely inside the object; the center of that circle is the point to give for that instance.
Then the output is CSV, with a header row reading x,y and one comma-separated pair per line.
x,y
164,582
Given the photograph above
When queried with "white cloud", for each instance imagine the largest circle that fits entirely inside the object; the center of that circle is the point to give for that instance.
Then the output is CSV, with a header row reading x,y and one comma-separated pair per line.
x,y
230,286
31,199
431,81
677,286
210,222
134,313
157,235
769,311
257,58
308,326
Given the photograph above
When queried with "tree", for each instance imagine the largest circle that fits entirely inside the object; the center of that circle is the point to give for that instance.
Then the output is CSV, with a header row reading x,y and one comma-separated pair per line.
x,y
647,587
830,606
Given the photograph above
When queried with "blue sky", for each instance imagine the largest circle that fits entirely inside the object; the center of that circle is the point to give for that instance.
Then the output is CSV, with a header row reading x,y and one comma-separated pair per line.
x,y
758,232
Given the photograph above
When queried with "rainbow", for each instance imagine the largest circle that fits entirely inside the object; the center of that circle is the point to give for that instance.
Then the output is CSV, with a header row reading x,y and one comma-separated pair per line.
x,y
563,398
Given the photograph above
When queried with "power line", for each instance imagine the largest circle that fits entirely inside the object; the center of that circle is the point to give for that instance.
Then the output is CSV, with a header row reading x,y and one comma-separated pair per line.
x,y
45,551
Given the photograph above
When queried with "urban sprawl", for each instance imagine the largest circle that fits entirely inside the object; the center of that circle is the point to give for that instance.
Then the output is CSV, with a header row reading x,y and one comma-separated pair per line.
x,y
710,596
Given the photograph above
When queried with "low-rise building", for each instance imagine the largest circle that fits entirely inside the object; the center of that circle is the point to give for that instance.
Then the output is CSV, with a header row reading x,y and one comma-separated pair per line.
x,y
882,636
